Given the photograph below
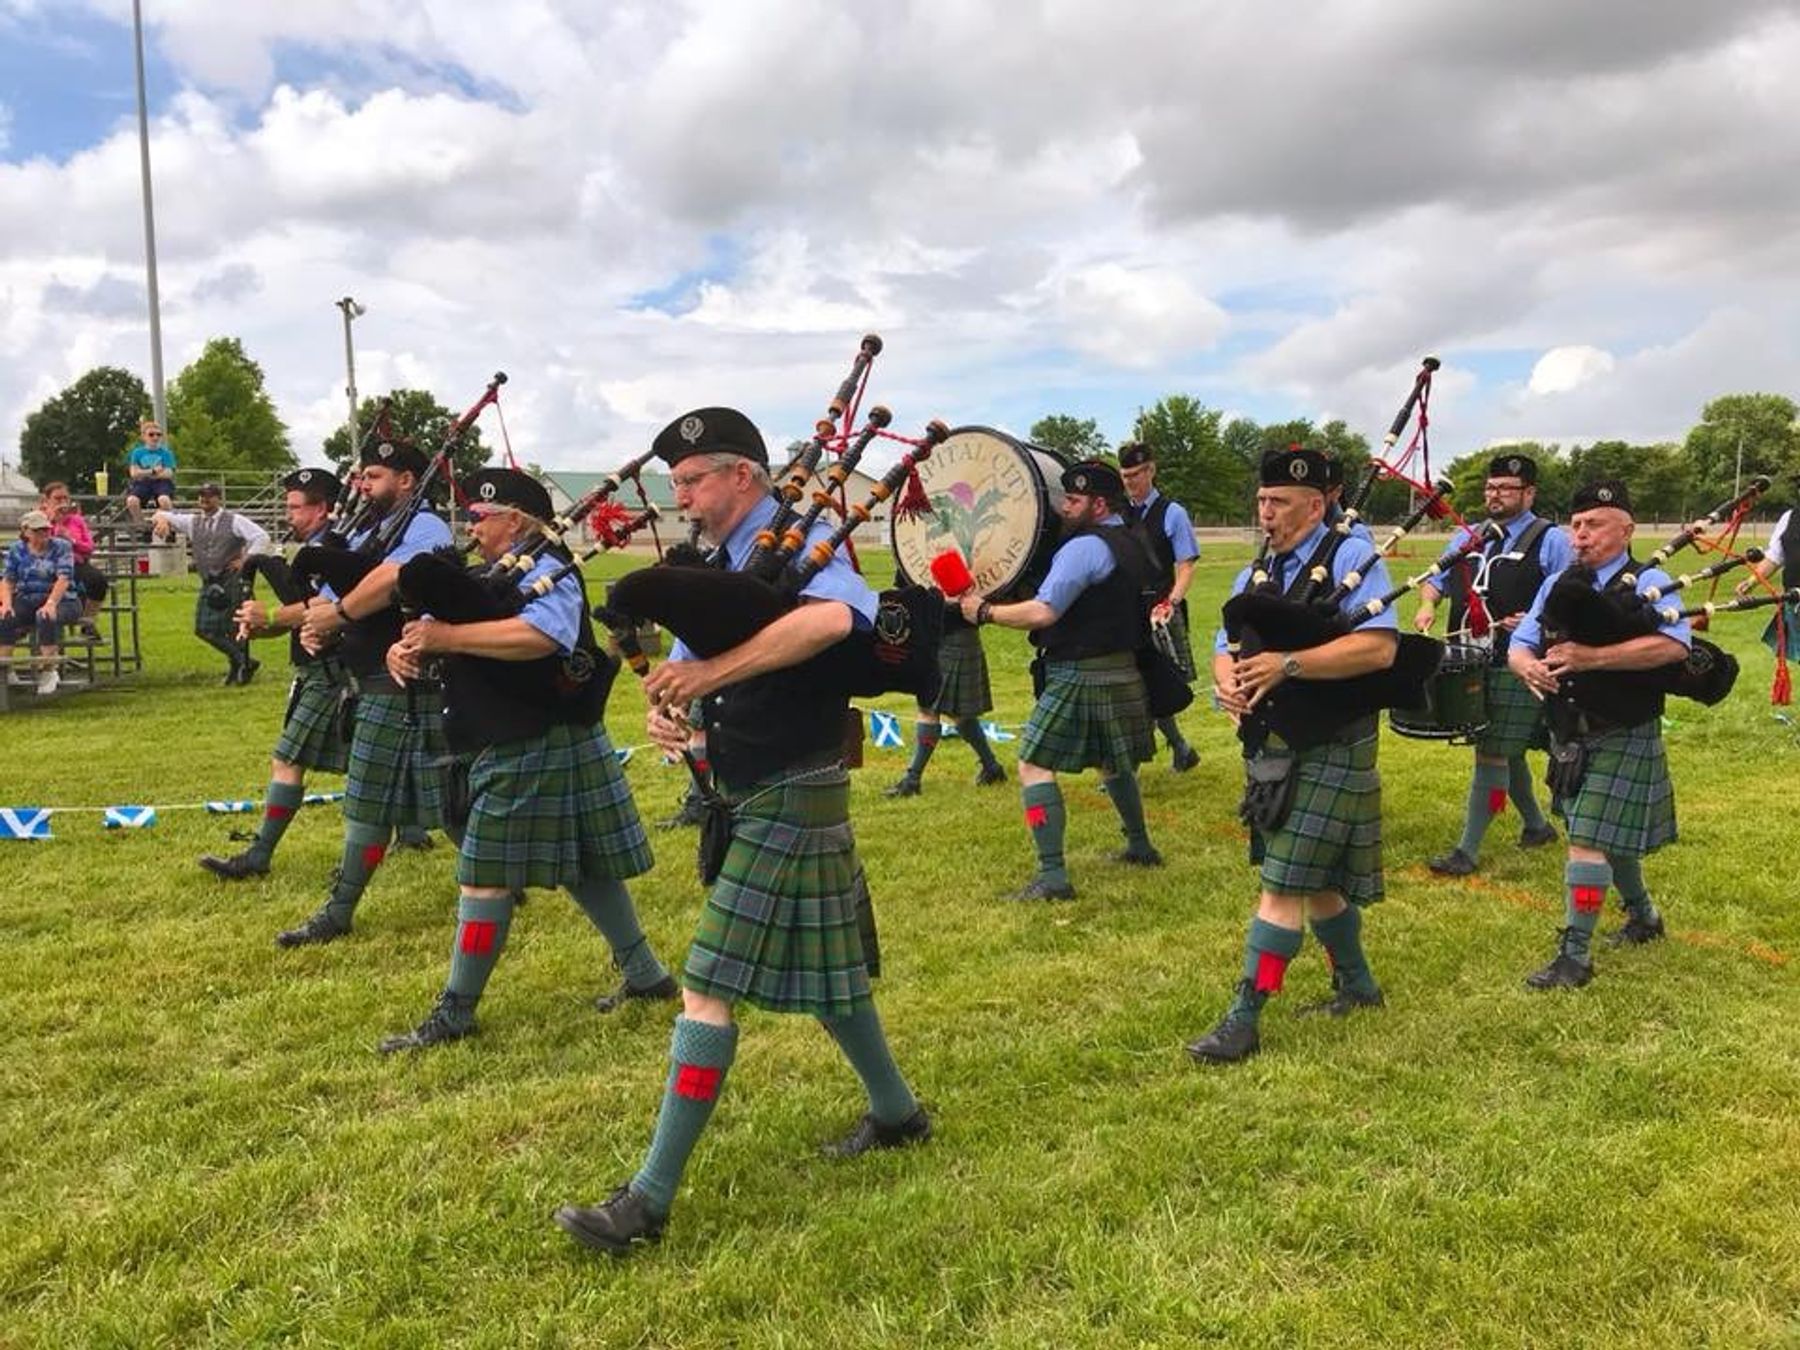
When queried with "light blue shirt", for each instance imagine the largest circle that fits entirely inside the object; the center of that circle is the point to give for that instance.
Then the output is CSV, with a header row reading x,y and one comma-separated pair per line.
x,y
1556,551
425,533
1355,554
836,580
556,615
162,457
1530,632
1178,527
1082,562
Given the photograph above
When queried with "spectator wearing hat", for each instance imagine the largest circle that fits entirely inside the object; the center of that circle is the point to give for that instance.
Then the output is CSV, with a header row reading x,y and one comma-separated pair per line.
x,y
150,465
786,925
547,802
1320,853
394,778
220,540
1087,623
1507,574
1170,534
37,595
67,522
312,729
1609,774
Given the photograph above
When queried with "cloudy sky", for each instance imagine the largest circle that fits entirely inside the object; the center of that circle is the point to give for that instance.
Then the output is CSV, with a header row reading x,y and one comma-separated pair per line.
x,y
1587,208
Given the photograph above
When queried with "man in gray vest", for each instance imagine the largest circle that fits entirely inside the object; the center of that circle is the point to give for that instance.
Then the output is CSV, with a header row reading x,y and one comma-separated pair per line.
x,y
221,540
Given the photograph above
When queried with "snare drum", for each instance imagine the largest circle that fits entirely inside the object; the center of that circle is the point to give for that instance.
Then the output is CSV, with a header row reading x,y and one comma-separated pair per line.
x,y
995,500
1455,707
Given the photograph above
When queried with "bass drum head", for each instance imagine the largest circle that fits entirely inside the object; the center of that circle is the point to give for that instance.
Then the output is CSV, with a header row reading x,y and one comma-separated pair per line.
x,y
994,499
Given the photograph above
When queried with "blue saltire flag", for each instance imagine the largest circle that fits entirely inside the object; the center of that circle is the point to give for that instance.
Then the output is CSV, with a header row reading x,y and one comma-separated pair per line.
x,y
993,732
319,798
24,822
237,808
130,817
623,753
884,730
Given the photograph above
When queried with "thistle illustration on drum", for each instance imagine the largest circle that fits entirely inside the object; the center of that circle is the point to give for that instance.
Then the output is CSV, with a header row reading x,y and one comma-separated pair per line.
x,y
1455,706
994,500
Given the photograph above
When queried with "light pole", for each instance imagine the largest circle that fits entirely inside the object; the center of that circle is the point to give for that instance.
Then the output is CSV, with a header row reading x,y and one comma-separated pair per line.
x,y
352,311
156,363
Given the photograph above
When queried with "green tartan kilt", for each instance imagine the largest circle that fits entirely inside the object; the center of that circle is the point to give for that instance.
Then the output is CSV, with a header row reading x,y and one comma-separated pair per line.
x,y
551,811
1331,840
1092,714
312,735
1181,642
1515,717
781,927
396,759
963,664
219,624
1626,804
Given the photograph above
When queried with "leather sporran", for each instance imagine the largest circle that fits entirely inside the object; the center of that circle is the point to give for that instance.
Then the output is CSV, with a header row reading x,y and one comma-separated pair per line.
x,y
1565,768
1271,781
459,800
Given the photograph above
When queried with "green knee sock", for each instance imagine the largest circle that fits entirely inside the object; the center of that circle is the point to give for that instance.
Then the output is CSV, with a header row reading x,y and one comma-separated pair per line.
x,y
481,926
608,904
1267,950
699,1055
364,848
1172,734
969,728
1045,817
926,736
279,806
1518,787
1129,803
1628,877
1587,883
1341,936
1487,798
861,1039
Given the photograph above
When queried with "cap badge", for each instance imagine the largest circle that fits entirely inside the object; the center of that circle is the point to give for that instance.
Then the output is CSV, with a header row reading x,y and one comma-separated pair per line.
x,y
385,450
487,491
1298,469
691,429
1513,466
305,475
1605,494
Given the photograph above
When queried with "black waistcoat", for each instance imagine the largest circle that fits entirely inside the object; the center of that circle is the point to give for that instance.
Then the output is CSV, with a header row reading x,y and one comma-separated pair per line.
x,y
1514,578
1111,616
772,722
1790,551
1154,524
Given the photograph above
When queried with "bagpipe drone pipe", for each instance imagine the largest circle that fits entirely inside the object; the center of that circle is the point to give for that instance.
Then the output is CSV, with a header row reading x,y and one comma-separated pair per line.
x,y
712,610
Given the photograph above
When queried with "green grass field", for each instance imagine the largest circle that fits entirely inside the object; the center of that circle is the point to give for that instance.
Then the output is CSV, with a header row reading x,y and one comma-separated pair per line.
x,y
200,1145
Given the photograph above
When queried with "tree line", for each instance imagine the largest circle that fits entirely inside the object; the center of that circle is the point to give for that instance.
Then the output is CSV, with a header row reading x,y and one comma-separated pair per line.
x,y
221,420
1209,464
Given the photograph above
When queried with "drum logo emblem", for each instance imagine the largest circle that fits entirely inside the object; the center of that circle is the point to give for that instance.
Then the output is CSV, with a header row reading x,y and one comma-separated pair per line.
x,y
966,515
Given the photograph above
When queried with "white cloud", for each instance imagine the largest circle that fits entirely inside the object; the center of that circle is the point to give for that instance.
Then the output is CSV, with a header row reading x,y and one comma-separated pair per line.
x,y
1564,368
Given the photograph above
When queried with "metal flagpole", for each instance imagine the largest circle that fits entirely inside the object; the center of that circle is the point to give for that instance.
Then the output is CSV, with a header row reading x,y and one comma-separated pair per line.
x,y
156,361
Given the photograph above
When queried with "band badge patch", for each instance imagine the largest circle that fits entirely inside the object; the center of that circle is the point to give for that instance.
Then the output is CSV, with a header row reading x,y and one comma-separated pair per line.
x,y
1604,494
305,476
488,490
385,450
691,429
1298,470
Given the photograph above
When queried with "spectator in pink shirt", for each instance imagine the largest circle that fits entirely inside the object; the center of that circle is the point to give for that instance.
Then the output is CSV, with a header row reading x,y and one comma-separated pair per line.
x,y
67,522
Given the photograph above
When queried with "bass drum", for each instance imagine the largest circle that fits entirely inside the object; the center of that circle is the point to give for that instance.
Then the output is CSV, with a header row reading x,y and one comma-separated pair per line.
x,y
994,499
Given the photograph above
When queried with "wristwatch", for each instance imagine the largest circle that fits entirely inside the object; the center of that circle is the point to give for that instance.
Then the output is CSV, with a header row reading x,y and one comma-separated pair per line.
x,y
1290,666
338,605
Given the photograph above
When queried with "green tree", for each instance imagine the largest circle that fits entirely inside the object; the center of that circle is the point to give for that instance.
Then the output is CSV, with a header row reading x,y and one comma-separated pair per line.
x,y
1193,464
1763,427
88,426
221,419
1076,437
1660,476
413,415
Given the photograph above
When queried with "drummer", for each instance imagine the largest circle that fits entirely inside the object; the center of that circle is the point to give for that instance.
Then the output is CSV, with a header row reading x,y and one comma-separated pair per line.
x,y
1086,622
1510,571
1170,534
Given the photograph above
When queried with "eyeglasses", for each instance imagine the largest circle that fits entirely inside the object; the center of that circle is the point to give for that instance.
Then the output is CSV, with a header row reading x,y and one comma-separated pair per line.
x,y
1502,488
686,482
153,435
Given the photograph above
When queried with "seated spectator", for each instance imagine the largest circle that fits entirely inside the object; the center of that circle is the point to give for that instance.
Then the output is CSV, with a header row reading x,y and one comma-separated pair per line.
x,y
151,465
37,592
67,522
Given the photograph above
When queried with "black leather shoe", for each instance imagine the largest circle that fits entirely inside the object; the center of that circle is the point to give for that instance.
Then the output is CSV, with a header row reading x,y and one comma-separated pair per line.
x,y
663,988
237,867
1185,759
690,812
422,842
1039,889
1636,932
1342,1003
1139,857
870,1133
990,774
452,1019
247,671
1455,863
1232,1040
232,677
1565,972
1529,838
321,927
908,786
615,1226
